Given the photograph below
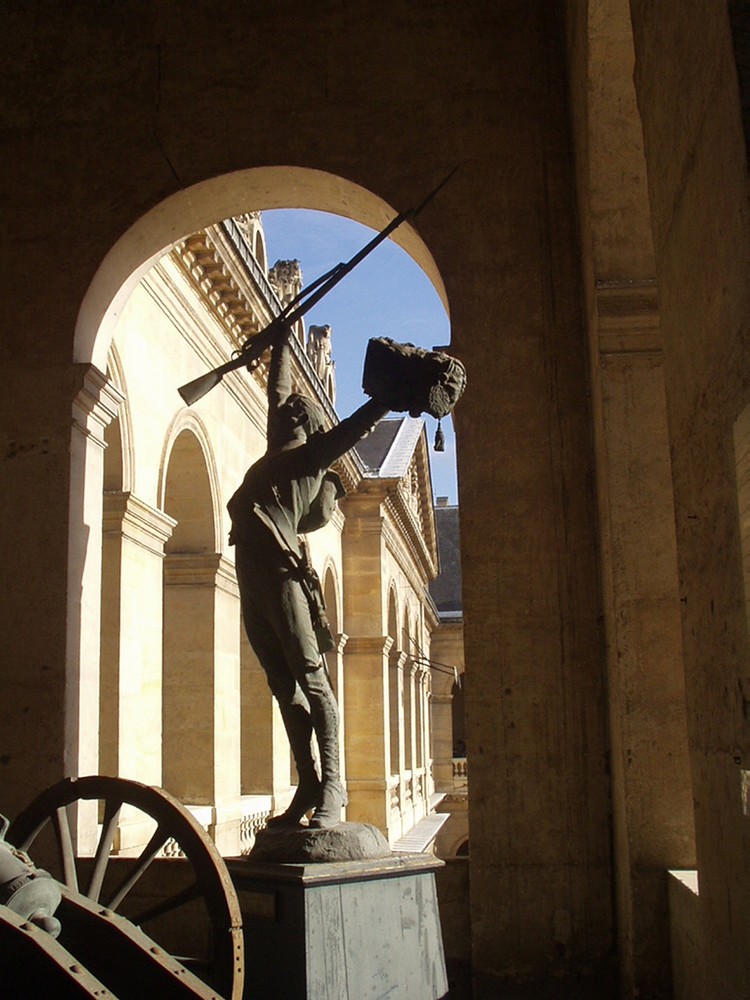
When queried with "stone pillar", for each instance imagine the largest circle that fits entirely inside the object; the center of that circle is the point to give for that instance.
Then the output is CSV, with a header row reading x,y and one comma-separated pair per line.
x,y
652,806
202,685
94,407
420,729
397,659
429,781
265,754
367,743
409,800
134,535
335,662
442,741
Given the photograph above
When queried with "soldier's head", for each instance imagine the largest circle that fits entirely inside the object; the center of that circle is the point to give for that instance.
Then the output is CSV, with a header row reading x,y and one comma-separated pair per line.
x,y
303,413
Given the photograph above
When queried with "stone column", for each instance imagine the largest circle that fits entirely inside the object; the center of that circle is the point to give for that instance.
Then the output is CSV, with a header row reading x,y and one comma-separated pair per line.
x,y
367,741
652,806
202,686
410,708
442,741
134,535
264,747
429,781
397,659
335,662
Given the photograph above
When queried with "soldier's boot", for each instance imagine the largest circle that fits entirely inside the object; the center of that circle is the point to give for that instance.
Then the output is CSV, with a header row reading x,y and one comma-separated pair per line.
x,y
326,722
332,801
298,725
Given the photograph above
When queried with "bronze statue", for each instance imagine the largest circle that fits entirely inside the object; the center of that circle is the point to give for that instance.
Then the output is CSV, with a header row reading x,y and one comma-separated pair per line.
x,y
291,491
288,492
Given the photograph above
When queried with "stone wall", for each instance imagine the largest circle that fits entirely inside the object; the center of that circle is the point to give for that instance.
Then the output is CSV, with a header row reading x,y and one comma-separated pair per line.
x,y
113,114
686,83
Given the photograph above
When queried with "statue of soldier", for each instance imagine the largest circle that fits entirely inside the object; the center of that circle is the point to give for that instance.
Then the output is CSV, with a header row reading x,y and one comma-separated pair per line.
x,y
288,492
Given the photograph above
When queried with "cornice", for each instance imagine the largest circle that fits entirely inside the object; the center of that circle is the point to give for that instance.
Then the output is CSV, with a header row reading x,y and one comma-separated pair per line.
x,y
351,470
224,294
410,530
378,508
235,292
209,569
379,645
341,639
96,404
137,521
397,659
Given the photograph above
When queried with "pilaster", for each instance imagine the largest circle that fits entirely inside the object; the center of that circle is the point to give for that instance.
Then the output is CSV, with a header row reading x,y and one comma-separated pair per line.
x,y
94,406
397,659
134,536
335,662
367,736
442,741
201,678
265,755
653,824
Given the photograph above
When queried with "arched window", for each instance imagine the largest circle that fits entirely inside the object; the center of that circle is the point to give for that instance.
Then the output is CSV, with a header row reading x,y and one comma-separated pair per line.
x,y
190,570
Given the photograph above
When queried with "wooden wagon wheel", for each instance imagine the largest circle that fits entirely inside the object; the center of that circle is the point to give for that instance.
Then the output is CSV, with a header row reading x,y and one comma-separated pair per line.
x,y
209,883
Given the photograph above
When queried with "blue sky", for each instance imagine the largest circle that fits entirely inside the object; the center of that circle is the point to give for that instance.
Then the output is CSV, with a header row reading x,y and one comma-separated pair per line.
x,y
387,295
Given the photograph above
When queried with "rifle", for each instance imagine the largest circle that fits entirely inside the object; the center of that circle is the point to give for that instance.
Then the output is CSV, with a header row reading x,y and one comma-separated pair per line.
x,y
254,346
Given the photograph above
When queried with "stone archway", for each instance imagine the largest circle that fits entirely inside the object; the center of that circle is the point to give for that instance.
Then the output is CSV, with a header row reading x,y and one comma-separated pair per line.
x,y
98,402
123,268
219,198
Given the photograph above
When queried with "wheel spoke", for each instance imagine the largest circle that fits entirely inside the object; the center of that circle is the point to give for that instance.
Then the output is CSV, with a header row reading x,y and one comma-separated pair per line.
x,y
209,902
104,847
148,854
65,845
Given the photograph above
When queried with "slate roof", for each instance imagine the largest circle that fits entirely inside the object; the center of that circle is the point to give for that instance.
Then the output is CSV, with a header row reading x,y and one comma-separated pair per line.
x,y
386,454
387,451
445,590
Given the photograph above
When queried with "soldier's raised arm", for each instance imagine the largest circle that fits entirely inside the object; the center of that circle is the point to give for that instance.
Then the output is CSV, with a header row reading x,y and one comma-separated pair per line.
x,y
279,383
339,439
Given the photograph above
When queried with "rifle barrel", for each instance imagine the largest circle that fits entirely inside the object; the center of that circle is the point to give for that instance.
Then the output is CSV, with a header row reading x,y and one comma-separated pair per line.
x,y
255,345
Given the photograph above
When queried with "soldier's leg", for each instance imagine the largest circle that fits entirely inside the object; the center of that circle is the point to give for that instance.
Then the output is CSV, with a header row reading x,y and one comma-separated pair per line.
x,y
277,616
325,717
293,706
303,656
298,723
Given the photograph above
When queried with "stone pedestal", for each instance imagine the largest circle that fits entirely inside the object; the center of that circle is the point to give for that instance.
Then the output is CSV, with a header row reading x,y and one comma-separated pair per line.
x,y
335,931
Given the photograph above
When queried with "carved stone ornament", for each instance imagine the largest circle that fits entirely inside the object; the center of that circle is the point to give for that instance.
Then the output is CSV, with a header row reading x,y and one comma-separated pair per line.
x,y
319,350
286,277
247,224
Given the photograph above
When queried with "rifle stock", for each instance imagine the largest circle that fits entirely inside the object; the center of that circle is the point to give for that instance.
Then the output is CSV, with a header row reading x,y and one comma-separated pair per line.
x,y
191,392
252,349
257,344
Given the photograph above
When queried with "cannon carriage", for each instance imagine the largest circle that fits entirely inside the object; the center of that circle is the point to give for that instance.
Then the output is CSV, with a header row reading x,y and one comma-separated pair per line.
x,y
161,919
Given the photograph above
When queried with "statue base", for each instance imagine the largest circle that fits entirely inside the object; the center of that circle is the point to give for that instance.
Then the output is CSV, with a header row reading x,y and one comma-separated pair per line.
x,y
336,930
304,844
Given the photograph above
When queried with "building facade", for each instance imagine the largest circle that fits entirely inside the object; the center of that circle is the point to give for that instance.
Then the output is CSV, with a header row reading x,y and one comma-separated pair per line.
x,y
183,702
